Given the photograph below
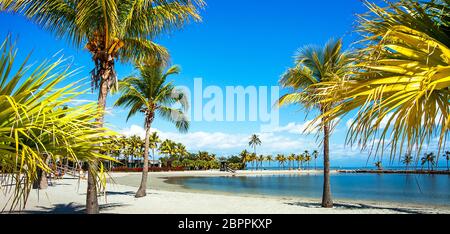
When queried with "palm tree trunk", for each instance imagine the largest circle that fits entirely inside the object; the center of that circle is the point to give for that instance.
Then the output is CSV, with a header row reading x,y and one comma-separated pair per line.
x,y
327,201
91,195
143,187
41,181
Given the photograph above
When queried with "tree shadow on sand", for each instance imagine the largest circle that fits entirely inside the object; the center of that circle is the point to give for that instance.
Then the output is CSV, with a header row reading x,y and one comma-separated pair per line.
x,y
358,206
70,208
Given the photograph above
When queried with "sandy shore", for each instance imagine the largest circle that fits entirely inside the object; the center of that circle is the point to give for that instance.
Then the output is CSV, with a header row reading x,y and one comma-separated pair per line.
x,y
68,196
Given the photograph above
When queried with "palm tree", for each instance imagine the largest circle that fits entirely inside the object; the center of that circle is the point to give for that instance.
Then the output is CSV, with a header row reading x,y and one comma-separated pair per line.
x,y
407,160
181,151
297,158
313,66
379,165
270,159
429,159
154,141
447,157
402,78
135,144
307,158
301,159
253,159
245,157
35,128
254,141
261,159
291,159
110,31
315,155
150,94
281,159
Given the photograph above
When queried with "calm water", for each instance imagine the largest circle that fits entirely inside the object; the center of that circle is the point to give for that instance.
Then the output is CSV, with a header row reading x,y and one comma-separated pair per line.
x,y
420,189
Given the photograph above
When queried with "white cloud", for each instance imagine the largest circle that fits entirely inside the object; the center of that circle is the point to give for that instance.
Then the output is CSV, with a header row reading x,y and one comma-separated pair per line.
x,y
219,142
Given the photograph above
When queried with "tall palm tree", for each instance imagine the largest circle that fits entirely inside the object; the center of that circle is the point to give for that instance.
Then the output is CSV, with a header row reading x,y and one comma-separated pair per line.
x,y
401,87
315,65
151,94
154,141
315,155
110,30
35,128
407,160
254,141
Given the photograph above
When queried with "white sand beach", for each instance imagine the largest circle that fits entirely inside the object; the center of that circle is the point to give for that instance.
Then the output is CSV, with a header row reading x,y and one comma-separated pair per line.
x,y
68,196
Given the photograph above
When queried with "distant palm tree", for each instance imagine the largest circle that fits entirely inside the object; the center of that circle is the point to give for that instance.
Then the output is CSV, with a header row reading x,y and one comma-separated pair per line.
x,y
261,159
253,159
307,158
154,141
301,159
136,145
181,151
447,157
429,159
269,159
379,165
297,158
168,148
281,160
407,160
315,155
151,94
254,141
245,157
291,158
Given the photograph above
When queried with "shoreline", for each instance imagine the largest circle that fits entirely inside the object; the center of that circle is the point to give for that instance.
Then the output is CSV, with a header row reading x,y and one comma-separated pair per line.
x,y
160,183
69,196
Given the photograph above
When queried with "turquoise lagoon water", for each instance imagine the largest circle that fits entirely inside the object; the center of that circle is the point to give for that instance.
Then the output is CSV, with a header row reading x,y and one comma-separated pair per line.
x,y
417,189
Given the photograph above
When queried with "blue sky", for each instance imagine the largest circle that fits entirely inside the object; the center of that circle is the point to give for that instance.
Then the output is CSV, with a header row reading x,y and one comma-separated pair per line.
x,y
239,43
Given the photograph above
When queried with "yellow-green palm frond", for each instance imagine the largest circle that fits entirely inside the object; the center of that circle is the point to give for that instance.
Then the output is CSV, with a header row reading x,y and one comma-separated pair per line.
x,y
403,84
37,119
